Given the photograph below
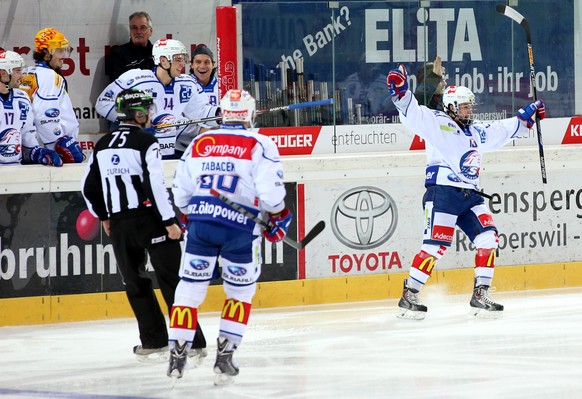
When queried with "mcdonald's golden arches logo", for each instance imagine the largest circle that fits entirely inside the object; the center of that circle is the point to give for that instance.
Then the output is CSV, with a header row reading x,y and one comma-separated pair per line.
x,y
184,317
236,311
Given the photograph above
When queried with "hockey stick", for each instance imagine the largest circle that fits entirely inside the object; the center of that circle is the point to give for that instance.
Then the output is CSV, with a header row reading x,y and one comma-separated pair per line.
x,y
520,19
298,245
289,107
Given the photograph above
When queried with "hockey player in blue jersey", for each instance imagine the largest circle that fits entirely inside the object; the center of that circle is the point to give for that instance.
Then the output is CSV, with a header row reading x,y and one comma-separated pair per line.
x,y
245,167
455,144
18,141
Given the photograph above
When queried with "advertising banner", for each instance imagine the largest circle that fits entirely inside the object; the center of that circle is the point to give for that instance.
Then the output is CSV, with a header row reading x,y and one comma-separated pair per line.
x,y
376,226
50,244
357,43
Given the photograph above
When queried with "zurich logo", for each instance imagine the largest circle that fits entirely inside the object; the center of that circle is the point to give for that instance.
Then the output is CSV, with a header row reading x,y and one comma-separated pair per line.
x,y
470,165
199,264
52,112
115,159
237,270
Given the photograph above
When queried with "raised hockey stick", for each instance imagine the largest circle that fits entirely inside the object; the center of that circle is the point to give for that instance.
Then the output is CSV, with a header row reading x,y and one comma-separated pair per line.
x,y
289,107
520,19
298,245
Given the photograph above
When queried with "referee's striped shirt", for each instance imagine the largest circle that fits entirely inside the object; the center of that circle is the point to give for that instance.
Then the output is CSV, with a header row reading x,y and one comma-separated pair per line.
x,y
125,176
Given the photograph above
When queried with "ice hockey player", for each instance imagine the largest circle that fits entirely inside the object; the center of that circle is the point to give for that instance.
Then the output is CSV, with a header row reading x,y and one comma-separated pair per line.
x,y
202,70
455,144
244,166
18,142
54,116
176,95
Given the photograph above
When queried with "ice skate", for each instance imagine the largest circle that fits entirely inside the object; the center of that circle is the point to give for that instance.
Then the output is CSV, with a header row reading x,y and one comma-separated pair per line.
x,y
178,359
196,356
225,367
409,305
482,306
151,355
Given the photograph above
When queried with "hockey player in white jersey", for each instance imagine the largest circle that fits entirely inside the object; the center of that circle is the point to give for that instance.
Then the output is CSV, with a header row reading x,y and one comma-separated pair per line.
x,y
455,144
18,141
54,116
203,71
176,95
244,166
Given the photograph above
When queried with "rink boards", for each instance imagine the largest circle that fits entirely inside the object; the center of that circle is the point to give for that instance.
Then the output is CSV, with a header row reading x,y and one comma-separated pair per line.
x,y
56,266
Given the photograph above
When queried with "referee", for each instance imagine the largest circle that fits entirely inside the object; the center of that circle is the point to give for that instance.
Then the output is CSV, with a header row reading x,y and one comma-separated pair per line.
x,y
124,187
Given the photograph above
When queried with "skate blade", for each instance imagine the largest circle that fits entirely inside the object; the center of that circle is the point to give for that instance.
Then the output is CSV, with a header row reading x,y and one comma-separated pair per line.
x,y
174,381
407,314
158,357
196,357
223,379
479,313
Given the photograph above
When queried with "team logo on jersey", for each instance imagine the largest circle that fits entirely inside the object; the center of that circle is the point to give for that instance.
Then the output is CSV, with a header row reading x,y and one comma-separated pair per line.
x,y
52,112
108,94
470,165
164,119
185,93
115,159
482,133
9,143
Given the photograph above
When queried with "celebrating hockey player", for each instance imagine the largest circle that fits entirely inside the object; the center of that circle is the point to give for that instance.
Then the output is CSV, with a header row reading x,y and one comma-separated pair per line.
x,y
176,95
455,144
54,115
18,142
245,167
202,70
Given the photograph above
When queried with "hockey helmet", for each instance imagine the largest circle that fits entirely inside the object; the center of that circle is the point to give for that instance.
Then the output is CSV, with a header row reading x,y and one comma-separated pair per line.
x,y
130,101
238,106
50,39
455,96
10,60
168,48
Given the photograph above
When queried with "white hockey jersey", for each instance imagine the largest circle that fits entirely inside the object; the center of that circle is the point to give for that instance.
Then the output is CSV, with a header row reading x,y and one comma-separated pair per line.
x,y
181,100
454,155
17,130
185,136
54,115
241,164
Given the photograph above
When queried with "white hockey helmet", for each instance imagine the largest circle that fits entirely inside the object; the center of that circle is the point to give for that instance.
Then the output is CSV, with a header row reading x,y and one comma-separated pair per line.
x,y
10,60
168,48
238,106
455,96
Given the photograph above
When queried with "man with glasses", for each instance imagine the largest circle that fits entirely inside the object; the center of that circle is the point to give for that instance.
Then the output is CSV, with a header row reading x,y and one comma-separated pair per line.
x,y
177,96
137,53
54,116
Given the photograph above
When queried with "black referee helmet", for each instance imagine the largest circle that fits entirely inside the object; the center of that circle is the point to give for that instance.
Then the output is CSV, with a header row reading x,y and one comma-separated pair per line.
x,y
130,101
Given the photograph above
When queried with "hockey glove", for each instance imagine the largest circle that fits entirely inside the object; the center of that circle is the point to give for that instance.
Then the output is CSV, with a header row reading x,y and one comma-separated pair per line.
x,y
398,81
279,223
43,156
526,114
68,148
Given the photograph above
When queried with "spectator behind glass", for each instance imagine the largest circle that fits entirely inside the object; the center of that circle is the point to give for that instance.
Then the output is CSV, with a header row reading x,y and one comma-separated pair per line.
x,y
431,84
137,53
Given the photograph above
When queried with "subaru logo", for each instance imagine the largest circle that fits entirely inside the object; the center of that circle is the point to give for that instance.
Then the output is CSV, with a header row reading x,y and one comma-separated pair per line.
x,y
199,264
364,217
115,159
237,270
52,112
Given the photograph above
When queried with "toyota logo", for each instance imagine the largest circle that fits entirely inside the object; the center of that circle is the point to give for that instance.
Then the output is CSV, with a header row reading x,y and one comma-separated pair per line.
x,y
364,217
